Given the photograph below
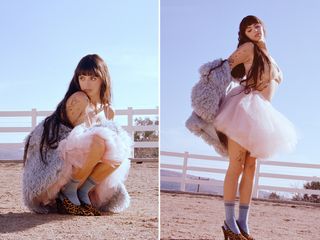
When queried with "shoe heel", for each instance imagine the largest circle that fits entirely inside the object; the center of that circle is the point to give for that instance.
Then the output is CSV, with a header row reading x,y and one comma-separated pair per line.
x,y
224,233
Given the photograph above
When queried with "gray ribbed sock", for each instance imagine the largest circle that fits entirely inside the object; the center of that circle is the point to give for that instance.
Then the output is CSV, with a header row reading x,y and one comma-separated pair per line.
x,y
85,189
70,191
243,217
230,217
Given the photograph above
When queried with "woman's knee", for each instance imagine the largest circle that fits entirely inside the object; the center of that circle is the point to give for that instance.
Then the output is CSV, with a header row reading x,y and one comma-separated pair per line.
x,y
250,166
235,169
237,163
97,144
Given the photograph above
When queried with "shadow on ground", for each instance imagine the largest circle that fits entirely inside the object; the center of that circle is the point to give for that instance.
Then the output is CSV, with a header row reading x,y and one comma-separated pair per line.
x,y
15,222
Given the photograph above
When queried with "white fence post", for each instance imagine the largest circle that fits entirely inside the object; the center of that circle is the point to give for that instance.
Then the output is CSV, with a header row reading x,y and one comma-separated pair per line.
x,y
184,172
33,118
260,173
34,114
130,127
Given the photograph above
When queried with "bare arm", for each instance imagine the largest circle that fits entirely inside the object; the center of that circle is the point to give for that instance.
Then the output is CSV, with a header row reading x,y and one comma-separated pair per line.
x,y
76,107
243,54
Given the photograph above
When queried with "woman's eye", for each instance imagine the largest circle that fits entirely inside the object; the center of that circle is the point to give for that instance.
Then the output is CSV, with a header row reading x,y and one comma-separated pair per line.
x,y
81,78
94,78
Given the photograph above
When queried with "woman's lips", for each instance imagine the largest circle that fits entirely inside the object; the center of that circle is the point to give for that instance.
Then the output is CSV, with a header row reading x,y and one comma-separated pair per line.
x,y
88,91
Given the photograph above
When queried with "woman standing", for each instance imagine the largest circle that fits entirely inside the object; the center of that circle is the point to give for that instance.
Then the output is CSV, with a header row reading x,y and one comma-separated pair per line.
x,y
254,129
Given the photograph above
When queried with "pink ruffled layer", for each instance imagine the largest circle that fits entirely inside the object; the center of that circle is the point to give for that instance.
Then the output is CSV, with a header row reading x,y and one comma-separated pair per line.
x,y
73,151
251,121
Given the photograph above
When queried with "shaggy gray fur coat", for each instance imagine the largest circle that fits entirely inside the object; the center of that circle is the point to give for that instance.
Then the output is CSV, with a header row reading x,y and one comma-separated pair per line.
x,y
206,98
39,176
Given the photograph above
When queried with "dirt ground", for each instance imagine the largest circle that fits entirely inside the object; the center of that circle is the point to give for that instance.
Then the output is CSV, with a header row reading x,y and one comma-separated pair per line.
x,y
140,221
188,216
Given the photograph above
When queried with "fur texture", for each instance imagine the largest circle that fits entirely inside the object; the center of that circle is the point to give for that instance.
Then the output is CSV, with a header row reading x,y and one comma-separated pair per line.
x,y
42,181
207,132
206,97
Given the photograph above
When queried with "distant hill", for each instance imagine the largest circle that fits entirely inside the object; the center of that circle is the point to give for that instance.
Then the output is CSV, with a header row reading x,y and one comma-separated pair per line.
x,y
216,188
9,154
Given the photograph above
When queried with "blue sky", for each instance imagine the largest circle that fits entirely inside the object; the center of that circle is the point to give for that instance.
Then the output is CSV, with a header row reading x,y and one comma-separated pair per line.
x,y
43,41
195,32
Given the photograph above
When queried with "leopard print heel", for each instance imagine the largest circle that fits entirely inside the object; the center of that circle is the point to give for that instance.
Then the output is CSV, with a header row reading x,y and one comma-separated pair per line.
x,y
229,235
224,233
246,235
67,207
90,208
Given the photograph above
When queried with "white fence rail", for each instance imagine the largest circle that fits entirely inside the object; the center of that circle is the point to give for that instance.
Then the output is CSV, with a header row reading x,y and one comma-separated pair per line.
x,y
183,180
34,114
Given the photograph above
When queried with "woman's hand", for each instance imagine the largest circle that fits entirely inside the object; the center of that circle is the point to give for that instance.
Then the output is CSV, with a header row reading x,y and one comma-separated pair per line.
x,y
108,112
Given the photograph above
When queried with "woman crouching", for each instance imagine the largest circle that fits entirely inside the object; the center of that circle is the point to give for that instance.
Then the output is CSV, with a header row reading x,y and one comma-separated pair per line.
x,y
76,160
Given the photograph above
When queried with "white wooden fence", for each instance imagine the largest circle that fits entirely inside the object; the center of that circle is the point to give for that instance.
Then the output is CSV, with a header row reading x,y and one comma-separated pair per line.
x,y
34,114
183,180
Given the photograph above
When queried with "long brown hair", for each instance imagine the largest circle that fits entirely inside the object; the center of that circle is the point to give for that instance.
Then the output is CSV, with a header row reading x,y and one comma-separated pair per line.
x,y
259,58
91,64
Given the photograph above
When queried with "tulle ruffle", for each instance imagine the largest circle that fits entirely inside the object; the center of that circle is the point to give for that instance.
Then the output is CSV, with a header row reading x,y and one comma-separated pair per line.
x,y
75,147
251,121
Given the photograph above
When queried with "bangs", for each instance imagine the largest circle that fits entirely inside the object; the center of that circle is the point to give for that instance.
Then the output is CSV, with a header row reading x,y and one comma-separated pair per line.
x,y
249,20
89,72
88,68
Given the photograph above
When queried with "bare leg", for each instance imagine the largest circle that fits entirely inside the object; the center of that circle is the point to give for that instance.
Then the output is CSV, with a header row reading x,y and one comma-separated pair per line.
x,y
247,179
103,170
237,156
246,186
93,172
97,149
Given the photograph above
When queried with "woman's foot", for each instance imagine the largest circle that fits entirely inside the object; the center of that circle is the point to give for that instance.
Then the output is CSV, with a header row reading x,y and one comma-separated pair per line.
x,y
65,206
246,235
83,191
70,191
229,235
230,217
90,208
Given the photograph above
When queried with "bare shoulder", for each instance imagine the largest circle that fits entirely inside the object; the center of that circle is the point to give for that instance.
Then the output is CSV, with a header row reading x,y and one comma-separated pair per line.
x,y
76,106
242,54
79,99
248,46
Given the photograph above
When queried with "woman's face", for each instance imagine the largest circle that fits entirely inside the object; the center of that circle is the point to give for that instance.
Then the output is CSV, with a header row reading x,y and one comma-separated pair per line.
x,y
255,32
90,85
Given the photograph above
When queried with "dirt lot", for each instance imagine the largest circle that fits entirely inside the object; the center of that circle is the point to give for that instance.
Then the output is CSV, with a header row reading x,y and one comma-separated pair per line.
x,y
140,221
188,216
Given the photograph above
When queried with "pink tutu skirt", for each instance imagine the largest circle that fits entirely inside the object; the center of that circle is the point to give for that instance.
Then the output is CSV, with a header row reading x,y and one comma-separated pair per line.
x,y
75,147
251,121
42,182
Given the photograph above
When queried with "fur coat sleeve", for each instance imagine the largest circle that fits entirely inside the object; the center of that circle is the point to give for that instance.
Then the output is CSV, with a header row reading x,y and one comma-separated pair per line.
x,y
206,97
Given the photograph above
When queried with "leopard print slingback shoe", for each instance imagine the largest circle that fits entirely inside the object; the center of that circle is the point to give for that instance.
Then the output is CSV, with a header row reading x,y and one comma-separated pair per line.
x,y
246,235
67,207
229,235
90,208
